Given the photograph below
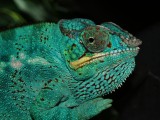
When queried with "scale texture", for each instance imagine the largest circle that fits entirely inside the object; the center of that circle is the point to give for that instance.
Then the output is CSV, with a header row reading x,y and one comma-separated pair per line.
x,y
61,71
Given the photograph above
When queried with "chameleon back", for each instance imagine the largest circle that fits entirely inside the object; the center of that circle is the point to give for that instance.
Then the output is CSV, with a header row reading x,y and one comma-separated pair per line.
x,y
25,52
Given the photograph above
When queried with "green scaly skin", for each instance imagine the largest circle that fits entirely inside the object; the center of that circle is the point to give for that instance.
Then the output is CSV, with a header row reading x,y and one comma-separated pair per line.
x,y
60,71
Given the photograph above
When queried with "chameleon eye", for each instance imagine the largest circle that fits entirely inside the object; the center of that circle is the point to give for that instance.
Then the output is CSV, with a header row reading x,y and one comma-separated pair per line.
x,y
95,38
91,40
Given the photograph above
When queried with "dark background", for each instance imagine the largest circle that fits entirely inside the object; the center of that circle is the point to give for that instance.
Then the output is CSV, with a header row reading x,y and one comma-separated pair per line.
x,y
139,97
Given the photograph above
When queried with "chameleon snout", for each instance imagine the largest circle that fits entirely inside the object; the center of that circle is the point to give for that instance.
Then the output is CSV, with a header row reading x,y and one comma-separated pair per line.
x,y
133,42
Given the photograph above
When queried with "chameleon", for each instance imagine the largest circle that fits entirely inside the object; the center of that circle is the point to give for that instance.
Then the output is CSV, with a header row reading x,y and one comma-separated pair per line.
x,y
61,71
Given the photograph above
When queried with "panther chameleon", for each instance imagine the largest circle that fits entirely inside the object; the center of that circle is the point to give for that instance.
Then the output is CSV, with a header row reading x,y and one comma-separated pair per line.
x,y
61,71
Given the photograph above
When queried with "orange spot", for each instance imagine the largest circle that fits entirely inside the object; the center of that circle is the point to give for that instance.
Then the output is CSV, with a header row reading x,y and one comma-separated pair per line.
x,y
109,45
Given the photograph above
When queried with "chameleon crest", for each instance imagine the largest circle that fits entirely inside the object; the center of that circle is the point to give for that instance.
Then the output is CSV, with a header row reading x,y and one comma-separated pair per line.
x,y
59,71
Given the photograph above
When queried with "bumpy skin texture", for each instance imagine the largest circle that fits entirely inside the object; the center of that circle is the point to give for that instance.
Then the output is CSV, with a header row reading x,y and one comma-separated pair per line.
x,y
60,71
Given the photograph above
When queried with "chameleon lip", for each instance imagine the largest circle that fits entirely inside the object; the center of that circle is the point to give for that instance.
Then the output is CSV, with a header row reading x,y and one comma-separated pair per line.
x,y
99,56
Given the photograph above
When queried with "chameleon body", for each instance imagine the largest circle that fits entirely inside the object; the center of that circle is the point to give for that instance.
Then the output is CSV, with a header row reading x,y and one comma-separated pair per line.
x,y
60,71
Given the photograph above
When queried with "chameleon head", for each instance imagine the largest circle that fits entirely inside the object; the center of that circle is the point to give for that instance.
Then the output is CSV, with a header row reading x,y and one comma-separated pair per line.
x,y
100,57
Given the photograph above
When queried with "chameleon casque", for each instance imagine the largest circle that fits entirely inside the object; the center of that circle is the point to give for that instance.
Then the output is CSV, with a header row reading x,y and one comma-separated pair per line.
x,y
60,71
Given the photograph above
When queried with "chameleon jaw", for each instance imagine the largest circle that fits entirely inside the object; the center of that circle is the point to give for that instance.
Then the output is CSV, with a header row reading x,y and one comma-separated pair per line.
x,y
99,56
85,60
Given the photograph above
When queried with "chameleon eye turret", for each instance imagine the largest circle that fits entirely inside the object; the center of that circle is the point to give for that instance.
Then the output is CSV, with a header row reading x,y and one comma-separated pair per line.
x,y
95,38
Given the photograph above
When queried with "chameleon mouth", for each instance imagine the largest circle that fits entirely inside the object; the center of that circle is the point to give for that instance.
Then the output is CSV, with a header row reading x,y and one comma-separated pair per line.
x,y
99,56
